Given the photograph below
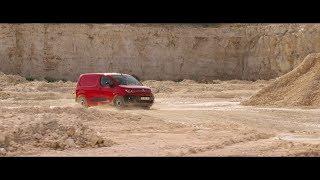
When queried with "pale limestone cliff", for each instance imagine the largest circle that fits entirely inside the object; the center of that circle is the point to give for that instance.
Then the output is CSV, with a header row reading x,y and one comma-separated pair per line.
x,y
63,51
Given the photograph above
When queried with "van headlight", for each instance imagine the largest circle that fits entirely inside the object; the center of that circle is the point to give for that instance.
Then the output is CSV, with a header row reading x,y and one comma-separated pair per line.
x,y
129,90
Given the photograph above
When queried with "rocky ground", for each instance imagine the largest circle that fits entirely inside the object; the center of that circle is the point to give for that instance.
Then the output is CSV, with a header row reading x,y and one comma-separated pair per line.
x,y
39,118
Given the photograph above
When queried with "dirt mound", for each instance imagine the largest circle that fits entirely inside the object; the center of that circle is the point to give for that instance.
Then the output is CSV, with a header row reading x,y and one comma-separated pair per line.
x,y
306,153
29,96
160,86
188,81
42,86
235,81
52,134
7,80
300,87
18,88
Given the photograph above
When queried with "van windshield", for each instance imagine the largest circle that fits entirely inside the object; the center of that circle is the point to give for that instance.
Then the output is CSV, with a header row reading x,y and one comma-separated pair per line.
x,y
125,79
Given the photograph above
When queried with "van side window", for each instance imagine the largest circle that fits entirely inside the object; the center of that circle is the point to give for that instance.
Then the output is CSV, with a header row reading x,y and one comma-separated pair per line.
x,y
105,81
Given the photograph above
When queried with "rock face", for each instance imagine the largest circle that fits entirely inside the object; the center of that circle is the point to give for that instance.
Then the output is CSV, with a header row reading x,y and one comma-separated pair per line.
x,y
64,51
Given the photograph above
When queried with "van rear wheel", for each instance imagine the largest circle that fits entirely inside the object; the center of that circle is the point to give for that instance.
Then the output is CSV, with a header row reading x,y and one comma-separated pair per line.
x,y
119,102
83,101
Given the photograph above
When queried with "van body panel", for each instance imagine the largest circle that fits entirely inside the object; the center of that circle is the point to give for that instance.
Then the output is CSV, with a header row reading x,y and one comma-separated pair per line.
x,y
102,88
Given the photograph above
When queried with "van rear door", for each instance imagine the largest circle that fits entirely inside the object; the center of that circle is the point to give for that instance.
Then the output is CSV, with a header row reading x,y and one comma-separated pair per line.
x,y
90,86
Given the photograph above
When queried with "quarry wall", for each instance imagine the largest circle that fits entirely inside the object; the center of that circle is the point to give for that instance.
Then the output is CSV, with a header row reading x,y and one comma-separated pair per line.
x,y
64,51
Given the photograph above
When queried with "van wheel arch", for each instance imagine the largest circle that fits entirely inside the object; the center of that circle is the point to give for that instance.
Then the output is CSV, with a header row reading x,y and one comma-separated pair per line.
x,y
118,101
82,99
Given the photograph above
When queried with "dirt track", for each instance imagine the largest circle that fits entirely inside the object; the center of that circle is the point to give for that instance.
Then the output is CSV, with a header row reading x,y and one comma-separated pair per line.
x,y
188,119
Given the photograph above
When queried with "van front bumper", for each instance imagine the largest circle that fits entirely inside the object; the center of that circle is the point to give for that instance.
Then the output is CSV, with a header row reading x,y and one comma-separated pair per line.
x,y
136,100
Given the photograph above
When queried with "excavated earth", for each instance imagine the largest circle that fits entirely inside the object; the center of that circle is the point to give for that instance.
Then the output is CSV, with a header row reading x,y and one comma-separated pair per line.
x,y
189,118
299,87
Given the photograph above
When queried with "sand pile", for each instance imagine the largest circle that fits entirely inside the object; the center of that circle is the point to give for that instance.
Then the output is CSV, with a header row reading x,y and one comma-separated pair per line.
x,y
52,134
300,87
172,86
42,86
232,89
160,86
18,88
7,80
29,96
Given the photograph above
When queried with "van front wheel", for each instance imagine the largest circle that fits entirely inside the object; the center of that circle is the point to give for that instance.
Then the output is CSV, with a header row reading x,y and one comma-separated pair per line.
x,y
118,102
83,101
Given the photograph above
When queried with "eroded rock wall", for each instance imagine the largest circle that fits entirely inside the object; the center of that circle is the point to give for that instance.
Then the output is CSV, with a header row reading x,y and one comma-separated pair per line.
x,y
63,51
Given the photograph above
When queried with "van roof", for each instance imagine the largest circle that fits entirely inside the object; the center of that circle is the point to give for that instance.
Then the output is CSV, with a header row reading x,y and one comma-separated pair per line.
x,y
106,74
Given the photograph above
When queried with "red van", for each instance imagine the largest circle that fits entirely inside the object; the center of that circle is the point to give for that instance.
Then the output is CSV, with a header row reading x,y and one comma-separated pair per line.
x,y
119,89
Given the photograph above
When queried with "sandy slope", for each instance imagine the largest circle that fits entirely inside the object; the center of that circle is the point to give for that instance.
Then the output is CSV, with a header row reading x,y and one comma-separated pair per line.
x,y
188,119
299,87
